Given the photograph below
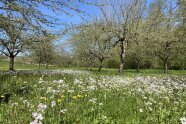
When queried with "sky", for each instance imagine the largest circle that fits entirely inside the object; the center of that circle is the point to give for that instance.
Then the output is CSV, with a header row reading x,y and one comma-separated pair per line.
x,y
91,12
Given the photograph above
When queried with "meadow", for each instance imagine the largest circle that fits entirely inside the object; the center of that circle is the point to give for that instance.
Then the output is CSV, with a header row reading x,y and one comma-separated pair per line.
x,y
81,97
53,49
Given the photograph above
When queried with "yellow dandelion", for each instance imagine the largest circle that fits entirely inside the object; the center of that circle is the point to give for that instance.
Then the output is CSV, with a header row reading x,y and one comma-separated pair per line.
x,y
2,96
59,100
62,96
74,97
79,96
44,98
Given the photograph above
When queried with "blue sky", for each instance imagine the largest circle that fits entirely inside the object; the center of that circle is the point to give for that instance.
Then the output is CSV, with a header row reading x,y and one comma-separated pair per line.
x,y
90,12
76,19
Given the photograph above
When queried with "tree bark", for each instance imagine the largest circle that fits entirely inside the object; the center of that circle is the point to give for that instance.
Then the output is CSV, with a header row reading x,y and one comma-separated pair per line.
x,y
101,65
122,56
165,67
11,64
91,64
68,64
138,66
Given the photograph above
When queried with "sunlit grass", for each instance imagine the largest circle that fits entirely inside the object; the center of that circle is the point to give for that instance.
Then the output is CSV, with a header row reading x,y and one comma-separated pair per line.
x,y
4,65
92,98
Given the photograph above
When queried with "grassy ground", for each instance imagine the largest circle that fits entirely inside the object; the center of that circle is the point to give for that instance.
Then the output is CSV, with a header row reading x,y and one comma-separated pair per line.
x,y
129,72
92,98
4,65
82,97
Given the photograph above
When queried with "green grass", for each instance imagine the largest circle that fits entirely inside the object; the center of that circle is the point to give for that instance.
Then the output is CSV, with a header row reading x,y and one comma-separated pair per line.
x,y
129,72
87,99
4,65
143,72
97,98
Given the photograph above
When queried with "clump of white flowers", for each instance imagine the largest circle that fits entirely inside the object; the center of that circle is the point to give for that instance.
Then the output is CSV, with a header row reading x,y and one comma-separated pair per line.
x,y
93,100
41,107
38,117
63,111
26,103
53,104
183,120
140,110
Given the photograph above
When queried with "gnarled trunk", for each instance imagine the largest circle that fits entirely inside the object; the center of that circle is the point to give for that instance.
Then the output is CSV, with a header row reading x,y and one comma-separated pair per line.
x,y
165,67
123,46
11,63
138,65
138,68
101,65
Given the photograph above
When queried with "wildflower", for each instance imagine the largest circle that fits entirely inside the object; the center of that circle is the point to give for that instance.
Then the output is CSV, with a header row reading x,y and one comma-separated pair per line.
x,y
100,104
79,96
36,122
140,110
53,104
56,91
92,87
71,91
93,100
41,79
59,100
44,98
63,111
37,118
26,103
183,120
104,117
25,82
2,96
34,114
62,96
150,108
41,107
60,81
145,97
74,97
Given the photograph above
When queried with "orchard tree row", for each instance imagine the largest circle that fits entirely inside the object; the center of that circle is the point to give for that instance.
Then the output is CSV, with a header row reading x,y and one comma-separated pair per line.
x,y
125,34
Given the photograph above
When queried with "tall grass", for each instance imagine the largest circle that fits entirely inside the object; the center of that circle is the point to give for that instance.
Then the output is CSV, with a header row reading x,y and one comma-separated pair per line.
x,y
92,98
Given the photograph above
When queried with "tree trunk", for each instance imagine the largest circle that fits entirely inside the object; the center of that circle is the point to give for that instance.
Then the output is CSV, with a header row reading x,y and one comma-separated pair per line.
x,y
90,66
122,56
101,65
11,64
68,64
165,67
138,68
90,63
138,65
